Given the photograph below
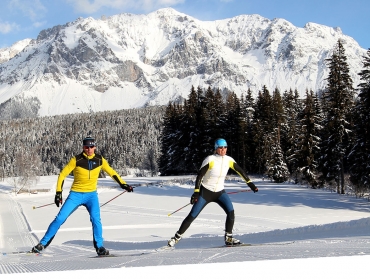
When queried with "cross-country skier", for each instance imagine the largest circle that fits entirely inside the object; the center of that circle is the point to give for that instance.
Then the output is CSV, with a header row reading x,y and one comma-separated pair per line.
x,y
209,187
86,168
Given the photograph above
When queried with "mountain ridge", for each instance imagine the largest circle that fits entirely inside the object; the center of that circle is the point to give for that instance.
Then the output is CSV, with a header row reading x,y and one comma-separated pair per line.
x,y
129,61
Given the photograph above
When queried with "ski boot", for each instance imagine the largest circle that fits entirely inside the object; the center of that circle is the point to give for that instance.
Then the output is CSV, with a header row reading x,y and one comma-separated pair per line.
x,y
102,251
174,239
230,240
38,248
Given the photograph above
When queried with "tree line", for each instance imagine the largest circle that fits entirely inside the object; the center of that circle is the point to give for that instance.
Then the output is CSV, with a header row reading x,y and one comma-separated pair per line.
x,y
320,139
128,139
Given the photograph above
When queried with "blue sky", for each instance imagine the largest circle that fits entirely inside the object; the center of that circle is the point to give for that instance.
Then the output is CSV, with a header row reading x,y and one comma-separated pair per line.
x,y
20,19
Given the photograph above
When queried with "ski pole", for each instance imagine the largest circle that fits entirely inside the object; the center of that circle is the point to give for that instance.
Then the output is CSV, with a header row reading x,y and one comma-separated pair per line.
x,y
113,198
239,191
34,207
178,209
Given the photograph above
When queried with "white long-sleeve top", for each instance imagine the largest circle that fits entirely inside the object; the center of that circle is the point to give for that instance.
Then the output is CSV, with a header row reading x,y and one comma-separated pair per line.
x,y
214,170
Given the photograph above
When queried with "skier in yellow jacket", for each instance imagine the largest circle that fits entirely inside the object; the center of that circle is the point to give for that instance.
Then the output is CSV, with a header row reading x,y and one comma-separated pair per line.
x,y
86,168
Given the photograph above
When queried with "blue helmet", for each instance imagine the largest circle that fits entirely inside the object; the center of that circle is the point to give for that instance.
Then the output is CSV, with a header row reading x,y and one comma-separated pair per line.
x,y
220,143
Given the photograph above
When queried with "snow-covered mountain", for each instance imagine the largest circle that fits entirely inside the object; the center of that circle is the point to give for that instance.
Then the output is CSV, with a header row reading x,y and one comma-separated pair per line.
x,y
10,52
130,61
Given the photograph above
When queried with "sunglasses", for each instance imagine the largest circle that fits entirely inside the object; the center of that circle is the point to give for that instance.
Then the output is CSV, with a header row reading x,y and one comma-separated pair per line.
x,y
87,147
222,147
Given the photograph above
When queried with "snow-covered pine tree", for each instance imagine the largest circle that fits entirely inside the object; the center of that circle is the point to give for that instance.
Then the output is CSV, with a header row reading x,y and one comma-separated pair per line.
x,y
187,134
262,126
338,96
276,166
234,127
359,157
168,140
194,112
210,118
247,105
275,160
19,107
149,163
289,129
213,113
308,142
278,115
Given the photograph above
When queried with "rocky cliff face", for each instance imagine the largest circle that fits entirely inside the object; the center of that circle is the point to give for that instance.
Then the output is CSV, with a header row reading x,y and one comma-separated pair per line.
x,y
128,61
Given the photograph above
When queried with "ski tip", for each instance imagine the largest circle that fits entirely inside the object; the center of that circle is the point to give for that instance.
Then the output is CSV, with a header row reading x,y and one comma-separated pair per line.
x,y
163,248
33,207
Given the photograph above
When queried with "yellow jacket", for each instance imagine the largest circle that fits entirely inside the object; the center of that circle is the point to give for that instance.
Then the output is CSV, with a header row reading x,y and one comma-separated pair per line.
x,y
86,170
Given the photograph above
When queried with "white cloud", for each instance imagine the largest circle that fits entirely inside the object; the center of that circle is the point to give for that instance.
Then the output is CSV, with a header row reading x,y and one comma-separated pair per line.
x,y
6,27
33,9
39,23
88,6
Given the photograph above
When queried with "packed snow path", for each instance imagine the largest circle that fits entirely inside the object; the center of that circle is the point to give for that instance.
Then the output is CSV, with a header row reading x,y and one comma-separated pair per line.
x,y
14,230
76,257
321,224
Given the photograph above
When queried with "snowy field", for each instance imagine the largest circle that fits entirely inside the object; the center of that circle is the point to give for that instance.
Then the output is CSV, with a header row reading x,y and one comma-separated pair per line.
x,y
298,233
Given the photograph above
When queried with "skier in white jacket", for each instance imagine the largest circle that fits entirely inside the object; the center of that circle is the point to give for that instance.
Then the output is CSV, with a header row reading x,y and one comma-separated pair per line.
x,y
209,187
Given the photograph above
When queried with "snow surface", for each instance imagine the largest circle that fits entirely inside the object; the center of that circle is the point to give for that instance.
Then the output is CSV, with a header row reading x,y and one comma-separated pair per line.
x,y
301,233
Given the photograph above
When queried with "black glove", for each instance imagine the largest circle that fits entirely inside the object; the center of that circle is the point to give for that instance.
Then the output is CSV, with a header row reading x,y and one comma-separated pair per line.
x,y
126,187
253,187
194,198
58,199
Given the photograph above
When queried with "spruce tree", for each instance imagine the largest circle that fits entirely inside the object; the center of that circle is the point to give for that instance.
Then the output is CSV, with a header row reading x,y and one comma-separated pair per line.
x,y
200,144
233,127
247,109
212,112
289,132
278,114
262,127
359,157
308,144
168,161
338,97
189,128
275,165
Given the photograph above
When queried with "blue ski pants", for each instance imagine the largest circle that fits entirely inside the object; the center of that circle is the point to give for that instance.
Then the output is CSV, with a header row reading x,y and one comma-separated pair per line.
x,y
74,200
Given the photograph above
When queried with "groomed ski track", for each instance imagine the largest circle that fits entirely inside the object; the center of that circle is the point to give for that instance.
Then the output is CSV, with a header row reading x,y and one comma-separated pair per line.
x,y
72,250
67,257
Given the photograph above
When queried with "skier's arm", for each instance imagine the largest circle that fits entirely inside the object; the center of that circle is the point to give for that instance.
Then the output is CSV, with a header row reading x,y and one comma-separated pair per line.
x,y
200,176
114,175
245,177
202,171
111,172
64,173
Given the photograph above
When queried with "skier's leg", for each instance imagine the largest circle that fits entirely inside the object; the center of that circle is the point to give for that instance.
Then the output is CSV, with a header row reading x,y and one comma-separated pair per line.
x,y
205,197
194,212
70,205
226,204
92,206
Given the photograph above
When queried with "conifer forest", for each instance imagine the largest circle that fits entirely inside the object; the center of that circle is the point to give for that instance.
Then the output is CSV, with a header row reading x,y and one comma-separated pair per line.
x,y
319,138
